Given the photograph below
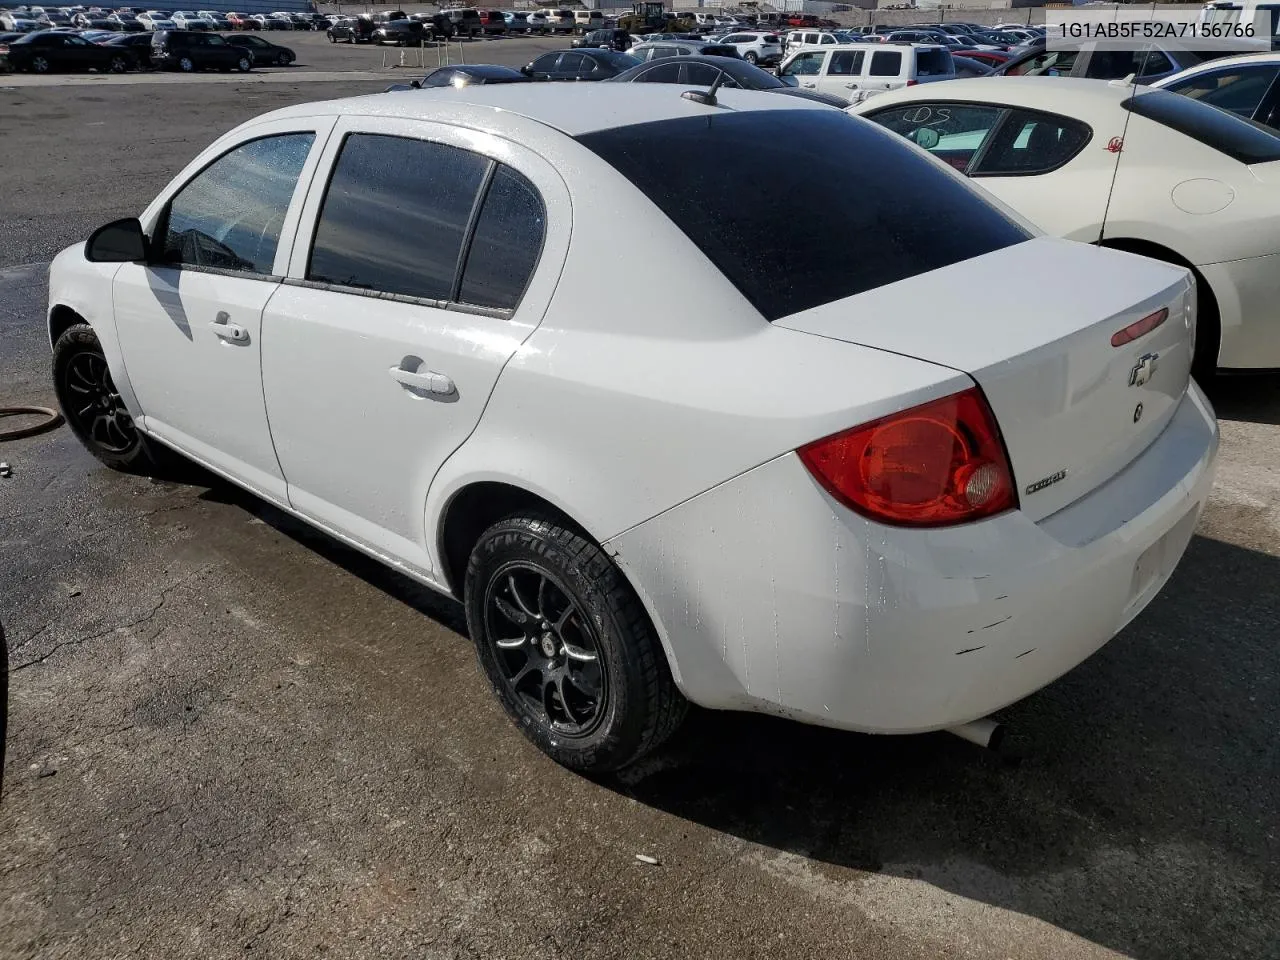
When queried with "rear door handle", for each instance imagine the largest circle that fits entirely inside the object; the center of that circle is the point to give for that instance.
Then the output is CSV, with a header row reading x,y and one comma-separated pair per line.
x,y
430,381
222,326
852,86
808,84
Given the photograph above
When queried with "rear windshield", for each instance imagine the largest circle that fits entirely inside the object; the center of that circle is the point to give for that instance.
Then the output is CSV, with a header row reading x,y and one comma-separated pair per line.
x,y
861,209
1241,139
933,63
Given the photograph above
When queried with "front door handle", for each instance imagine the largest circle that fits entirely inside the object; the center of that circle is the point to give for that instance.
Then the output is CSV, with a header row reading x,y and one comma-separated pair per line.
x,y
222,326
429,381
808,84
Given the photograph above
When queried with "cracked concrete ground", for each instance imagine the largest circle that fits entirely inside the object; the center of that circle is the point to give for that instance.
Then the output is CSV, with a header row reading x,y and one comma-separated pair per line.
x,y
230,736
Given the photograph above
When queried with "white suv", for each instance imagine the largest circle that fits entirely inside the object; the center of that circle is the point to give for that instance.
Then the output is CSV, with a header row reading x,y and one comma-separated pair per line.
x,y
797,39
764,49
856,71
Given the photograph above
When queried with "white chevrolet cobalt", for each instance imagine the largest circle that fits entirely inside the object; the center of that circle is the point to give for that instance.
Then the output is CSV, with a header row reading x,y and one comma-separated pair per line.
x,y
808,484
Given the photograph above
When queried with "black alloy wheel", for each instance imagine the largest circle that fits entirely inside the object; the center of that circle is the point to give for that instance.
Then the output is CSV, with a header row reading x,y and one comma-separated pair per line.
x,y
546,649
567,646
91,403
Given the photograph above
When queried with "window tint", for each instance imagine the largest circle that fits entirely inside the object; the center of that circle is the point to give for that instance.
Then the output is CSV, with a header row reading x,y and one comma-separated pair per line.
x,y
846,63
571,63
230,214
1240,139
546,63
934,63
663,73
953,132
700,74
507,242
886,63
394,216
839,229
1030,142
1114,64
1238,89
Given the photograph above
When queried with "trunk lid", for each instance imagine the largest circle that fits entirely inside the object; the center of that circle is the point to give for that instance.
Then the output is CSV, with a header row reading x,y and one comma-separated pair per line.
x,y
1033,325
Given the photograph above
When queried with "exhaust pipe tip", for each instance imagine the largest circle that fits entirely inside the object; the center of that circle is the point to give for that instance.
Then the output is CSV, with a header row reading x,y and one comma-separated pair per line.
x,y
986,733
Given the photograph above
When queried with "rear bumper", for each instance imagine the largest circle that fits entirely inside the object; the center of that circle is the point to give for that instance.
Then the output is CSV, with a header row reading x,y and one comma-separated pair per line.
x,y
1249,311
770,596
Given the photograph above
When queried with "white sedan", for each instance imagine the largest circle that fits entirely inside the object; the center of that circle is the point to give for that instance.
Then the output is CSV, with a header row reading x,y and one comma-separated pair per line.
x,y
1130,168
802,487
1248,86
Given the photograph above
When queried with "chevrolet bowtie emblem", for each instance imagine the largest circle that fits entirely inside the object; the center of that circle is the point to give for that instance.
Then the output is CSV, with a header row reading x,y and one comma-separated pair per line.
x,y
1143,370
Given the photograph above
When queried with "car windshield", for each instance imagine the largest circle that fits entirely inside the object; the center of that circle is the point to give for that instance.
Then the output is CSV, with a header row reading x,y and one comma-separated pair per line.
x,y
1238,138
813,243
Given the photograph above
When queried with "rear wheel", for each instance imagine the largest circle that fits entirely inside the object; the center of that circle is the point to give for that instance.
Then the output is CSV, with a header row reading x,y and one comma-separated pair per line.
x,y
244,65
567,647
39,65
92,405
118,65
750,57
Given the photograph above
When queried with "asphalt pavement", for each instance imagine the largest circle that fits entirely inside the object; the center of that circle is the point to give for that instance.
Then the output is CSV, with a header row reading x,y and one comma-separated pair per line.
x,y
231,736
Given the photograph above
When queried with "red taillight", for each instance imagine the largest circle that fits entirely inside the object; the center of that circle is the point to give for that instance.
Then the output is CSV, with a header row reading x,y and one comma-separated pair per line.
x,y
1141,328
912,83
937,464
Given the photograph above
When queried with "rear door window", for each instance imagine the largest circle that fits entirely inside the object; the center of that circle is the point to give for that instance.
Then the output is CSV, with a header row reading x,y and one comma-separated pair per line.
x,y
507,242
1029,142
663,73
779,250
846,63
395,215
886,63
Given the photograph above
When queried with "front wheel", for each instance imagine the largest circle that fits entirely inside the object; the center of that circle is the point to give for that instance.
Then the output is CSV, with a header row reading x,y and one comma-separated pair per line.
x,y
283,60
187,65
244,64
92,405
567,647
332,38
118,65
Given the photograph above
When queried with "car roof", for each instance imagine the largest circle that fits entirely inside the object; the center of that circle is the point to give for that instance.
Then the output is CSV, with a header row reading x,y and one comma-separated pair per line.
x,y
573,109
1218,63
1056,94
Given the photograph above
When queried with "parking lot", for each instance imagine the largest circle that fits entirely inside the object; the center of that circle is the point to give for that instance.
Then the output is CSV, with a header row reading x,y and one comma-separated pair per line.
x,y
230,735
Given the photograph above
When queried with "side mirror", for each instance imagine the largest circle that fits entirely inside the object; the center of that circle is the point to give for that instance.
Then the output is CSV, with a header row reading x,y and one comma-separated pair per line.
x,y
526,70
416,84
121,241
927,137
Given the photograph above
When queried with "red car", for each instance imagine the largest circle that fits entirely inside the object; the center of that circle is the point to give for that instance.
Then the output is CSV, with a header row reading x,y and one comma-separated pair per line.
x,y
240,21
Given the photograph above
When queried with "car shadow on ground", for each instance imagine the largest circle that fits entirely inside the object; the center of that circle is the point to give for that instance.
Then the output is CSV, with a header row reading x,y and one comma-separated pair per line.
x,y
1142,818
1252,397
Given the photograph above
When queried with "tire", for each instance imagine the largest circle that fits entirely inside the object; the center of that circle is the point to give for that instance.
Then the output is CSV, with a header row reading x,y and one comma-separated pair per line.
x,y
39,65
244,65
81,376
750,57
332,38
283,60
587,681
118,65
187,65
